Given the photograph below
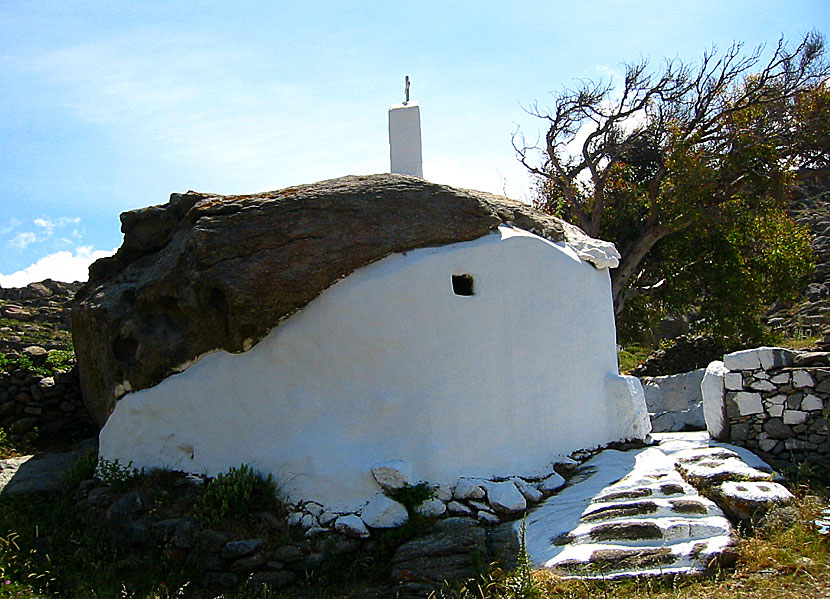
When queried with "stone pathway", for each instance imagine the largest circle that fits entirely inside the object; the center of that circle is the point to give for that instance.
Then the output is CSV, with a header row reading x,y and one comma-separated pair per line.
x,y
34,473
632,513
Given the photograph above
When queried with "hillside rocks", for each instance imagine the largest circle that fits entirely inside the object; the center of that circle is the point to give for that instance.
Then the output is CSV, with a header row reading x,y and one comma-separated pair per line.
x,y
811,314
206,272
34,316
684,354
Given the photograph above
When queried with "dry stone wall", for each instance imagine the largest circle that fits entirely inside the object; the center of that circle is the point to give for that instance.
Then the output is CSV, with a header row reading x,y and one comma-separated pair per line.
x,y
50,406
772,401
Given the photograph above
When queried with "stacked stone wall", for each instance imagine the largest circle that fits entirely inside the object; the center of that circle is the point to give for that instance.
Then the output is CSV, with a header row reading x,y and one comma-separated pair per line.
x,y
50,406
772,401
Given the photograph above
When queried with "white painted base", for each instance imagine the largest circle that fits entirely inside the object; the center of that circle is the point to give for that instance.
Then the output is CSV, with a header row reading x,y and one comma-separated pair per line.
x,y
390,364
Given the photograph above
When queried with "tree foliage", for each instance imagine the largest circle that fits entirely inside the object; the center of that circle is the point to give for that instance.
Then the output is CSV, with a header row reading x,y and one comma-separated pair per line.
x,y
686,170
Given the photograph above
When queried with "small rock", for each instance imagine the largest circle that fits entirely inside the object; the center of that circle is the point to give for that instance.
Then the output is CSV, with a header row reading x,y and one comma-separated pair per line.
x,y
443,492
802,379
326,518
383,512
308,521
210,541
458,509
392,474
288,553
748,403
531,493
36,354
351,526
295,518
248,564
432,508
795,417
812,402
316,531
467,488
551,484
762,385
747,500
505,498
488,518
235,549
185,532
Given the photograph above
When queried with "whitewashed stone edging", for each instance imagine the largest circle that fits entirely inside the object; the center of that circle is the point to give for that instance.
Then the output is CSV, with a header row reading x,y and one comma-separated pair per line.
x,y
489,502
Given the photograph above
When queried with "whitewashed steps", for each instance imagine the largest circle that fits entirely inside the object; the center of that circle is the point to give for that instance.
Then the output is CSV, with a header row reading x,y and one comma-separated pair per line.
x,y
627,513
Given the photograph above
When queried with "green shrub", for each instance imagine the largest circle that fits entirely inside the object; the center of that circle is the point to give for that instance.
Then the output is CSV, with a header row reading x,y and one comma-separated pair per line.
x,y
411,496
115,474
81,470
60,359
57,359
239,492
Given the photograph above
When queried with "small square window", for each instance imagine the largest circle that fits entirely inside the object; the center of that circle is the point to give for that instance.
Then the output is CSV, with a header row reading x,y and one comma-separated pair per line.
x,y
462,284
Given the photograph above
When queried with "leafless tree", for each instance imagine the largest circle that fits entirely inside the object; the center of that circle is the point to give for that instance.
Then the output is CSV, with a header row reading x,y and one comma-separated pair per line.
x,y
592,127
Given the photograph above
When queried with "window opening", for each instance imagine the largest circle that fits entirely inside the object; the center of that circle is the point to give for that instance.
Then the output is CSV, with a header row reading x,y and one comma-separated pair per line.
x,y
462,284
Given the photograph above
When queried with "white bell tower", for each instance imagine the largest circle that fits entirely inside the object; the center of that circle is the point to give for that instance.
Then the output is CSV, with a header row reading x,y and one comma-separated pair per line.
x,y
405,137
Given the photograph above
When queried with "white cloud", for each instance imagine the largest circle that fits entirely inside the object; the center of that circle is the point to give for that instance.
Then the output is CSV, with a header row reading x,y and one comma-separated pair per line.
x,y
60,266
21,240
49,226
13,224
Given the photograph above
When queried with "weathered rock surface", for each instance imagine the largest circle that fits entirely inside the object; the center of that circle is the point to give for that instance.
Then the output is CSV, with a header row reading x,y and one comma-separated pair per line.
x,y
747,500
448,553
206,272
31,474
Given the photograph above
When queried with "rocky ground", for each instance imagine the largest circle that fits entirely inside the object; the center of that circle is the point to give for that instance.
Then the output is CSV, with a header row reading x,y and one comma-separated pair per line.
x,y
809,316
34,316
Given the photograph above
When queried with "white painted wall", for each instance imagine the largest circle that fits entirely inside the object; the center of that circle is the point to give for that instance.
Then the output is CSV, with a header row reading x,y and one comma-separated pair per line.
x,y
389,364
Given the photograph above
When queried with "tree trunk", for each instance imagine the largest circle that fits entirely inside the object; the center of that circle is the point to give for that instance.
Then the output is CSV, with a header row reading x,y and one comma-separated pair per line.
x,y
622,276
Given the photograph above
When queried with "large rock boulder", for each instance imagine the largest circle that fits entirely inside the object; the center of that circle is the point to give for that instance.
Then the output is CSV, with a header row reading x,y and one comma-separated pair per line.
x,y
206,272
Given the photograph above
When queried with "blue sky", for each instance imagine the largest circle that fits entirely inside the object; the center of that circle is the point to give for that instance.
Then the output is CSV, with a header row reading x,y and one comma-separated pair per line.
x,y
111,106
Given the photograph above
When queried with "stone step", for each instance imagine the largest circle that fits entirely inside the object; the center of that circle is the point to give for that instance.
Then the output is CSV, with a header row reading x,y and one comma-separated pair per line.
x,y
648,531
627,513
608,560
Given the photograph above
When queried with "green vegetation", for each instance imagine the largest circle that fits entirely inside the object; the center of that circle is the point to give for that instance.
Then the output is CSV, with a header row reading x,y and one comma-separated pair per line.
x,y
24,445
35,333
631,356
688,172
57,360
411,496
116,475
238,492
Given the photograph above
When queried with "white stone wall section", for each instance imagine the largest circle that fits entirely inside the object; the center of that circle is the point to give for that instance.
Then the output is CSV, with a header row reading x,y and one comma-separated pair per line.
x,y
482,359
